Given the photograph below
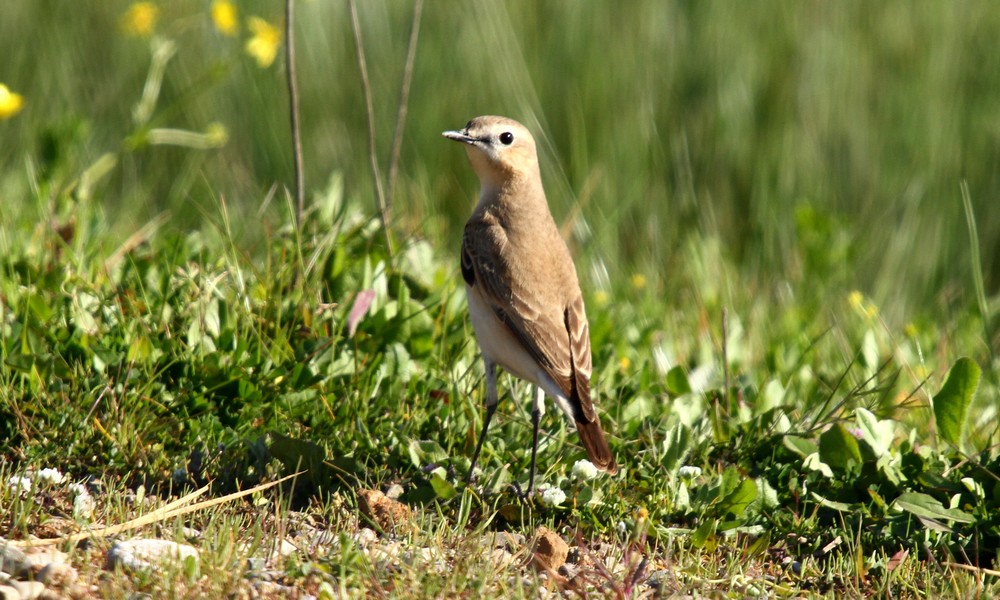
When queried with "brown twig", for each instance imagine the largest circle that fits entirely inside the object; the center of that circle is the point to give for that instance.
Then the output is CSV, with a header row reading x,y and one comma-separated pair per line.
x,y
404,101
380,203
293,110
173,509
725,356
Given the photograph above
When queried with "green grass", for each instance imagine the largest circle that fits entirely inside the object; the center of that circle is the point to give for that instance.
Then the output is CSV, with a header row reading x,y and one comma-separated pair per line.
x,y
820,175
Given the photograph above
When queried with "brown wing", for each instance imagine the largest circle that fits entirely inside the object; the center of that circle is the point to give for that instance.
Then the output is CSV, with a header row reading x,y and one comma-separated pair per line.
x,y
556,336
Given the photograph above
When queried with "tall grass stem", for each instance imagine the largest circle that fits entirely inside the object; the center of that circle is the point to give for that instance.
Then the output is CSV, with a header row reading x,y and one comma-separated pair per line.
x,y
404,100
380,200
293,112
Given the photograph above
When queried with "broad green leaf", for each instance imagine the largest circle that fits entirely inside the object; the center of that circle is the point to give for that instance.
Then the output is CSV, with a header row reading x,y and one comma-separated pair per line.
x,y
211,318
689,408
676,446
425,452
877,434
837,506
736,502
677,382
683,499
704,534
771,396
951,404
40,307
838,448
927,507
140,350
813,463
721,424
767,495
640,408
443,489
799,445
730,480
759,547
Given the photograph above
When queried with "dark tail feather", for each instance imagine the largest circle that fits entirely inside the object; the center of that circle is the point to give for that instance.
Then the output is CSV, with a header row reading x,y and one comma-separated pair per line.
x,y
597,447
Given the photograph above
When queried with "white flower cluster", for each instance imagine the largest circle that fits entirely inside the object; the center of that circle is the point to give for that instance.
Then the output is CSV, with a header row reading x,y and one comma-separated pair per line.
x,y
688,472
83,502
50,477
20,484
584,470
551,496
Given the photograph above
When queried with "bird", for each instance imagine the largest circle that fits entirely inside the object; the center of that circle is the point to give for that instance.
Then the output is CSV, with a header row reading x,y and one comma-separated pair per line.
x,y
523,294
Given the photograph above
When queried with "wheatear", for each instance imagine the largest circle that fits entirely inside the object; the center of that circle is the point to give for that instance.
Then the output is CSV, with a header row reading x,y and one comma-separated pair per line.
x,y
524,297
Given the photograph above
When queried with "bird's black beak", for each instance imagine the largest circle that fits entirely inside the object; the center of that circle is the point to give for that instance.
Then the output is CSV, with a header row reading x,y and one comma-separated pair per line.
x,y
460,136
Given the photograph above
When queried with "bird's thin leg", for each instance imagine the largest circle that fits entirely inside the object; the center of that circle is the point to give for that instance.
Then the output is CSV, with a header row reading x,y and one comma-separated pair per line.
x,y
536,416
491,407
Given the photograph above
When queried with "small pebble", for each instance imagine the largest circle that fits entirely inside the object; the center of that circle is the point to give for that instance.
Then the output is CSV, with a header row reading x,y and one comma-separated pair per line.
x,y
9,592
39,558
286,548
365,537
13,558
501,557
550,550
29,590
141,555
57,575
568,570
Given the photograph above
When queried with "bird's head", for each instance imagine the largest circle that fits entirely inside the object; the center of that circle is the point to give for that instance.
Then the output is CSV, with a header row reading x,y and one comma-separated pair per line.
x,y
500,149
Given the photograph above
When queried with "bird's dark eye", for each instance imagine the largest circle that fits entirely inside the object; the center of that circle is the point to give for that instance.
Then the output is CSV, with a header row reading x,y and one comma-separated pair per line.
x,y
507,138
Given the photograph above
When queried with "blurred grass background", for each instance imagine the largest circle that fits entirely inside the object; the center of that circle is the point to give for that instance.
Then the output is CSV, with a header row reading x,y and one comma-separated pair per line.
x,y
786,138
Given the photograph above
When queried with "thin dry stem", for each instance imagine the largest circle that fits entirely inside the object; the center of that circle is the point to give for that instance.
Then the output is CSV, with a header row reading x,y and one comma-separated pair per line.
x,y
293,111
404,101
380,202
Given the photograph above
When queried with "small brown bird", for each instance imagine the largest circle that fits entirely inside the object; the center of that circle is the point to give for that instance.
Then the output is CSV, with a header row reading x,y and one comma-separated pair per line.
x,y
523,293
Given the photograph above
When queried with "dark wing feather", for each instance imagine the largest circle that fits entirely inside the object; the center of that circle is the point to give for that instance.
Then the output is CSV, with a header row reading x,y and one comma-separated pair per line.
x,y
468,270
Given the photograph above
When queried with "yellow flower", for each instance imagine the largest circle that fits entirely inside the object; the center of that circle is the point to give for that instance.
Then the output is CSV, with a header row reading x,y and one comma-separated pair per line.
x,y
263,46
140,19
911,330
217,135
638,281
10,103
224,17
624,363
856,299
601,298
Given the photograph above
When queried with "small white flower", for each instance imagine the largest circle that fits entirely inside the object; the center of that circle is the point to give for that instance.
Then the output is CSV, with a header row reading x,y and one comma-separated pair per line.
x,y
552,496
50,476
688,472
78,489
584,470
83,506
20,484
